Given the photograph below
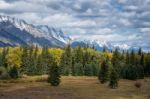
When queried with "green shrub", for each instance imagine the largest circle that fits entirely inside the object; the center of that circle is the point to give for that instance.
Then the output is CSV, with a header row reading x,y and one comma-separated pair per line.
x,y
13,73
3,73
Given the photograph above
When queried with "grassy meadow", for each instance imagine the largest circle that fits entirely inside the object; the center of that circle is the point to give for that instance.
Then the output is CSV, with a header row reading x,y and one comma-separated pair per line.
x,y
36,87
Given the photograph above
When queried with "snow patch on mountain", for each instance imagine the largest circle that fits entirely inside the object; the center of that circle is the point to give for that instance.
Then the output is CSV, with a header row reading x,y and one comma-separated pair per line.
x,y
55,33
100,44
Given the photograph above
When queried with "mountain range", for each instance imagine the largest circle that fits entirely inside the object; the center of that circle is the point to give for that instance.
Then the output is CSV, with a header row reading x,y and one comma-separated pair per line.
x,y
16,32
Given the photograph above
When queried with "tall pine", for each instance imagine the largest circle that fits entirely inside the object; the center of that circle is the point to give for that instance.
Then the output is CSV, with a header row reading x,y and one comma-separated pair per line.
x,y
113,79
104,71
54,74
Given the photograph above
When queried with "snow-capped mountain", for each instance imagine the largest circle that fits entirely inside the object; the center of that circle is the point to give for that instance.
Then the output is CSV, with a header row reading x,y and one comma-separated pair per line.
x,y
14,32
99,45
55,33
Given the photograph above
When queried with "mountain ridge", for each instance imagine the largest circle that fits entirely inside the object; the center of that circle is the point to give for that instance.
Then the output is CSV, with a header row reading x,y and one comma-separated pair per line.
x,y
14,32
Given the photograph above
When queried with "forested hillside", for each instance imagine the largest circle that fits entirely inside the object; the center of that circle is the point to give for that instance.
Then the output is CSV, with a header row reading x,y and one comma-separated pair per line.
x,y
79,61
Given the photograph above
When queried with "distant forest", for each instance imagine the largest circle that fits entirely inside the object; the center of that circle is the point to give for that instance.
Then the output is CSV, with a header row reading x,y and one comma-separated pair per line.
x,y
79,61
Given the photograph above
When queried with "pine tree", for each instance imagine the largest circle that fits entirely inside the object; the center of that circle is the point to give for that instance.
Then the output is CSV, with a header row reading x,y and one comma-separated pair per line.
x,y
114,78
30,67
35,56
78,55
117,61
104,71
127,58
73,65
3,57
104,49
43,61
79,70
24,59
54,75
142,60
132,57
147,65
13,72
140,51
66,61
88,70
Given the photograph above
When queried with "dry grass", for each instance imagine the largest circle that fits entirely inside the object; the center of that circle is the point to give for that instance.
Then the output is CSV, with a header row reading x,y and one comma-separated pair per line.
x,y
72,88
26,79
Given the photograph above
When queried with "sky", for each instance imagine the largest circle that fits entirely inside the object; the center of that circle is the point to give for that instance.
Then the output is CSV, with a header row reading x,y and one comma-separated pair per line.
x,y
121,21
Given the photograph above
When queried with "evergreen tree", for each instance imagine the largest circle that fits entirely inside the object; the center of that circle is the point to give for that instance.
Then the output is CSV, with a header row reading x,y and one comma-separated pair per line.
x,y
13,72
114,78
132,57
95,68
44,61
66,61
31,67
88,70
45,58
79,70
147,65
54,75
4,57
104,49
104,71
117,61
78,55
73,65
35,56
24,60
142,60
140,51
127,58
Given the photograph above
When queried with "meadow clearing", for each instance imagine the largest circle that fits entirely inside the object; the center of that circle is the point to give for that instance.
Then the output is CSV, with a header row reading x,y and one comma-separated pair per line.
x,y
36,87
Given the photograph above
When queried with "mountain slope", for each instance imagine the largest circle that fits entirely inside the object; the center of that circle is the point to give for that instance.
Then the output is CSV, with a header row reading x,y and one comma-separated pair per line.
x,y
14,32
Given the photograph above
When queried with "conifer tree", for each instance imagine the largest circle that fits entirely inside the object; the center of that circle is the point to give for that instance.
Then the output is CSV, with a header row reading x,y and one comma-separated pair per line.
x,y
73,65
113,79
66,61
104,49
147,65
79,70
140,51
132,57
13,72
104,71
35,55
30,67
44,61
3,57
24,60
127,58
45,56
79,55
117,61
88,70
142,60
54,74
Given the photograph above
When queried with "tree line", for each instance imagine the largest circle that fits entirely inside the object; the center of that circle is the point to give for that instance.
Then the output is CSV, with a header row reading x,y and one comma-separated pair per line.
x,y
80,61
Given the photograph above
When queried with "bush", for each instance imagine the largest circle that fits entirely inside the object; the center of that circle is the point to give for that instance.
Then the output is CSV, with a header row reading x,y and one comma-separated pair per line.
x,y
13,73
3,73
138,84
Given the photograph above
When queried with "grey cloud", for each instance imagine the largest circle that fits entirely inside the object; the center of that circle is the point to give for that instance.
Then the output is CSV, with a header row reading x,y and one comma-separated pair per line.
x,y
86,17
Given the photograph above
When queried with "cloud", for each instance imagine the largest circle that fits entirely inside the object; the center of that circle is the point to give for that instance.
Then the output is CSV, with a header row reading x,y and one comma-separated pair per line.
x,y
111,20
